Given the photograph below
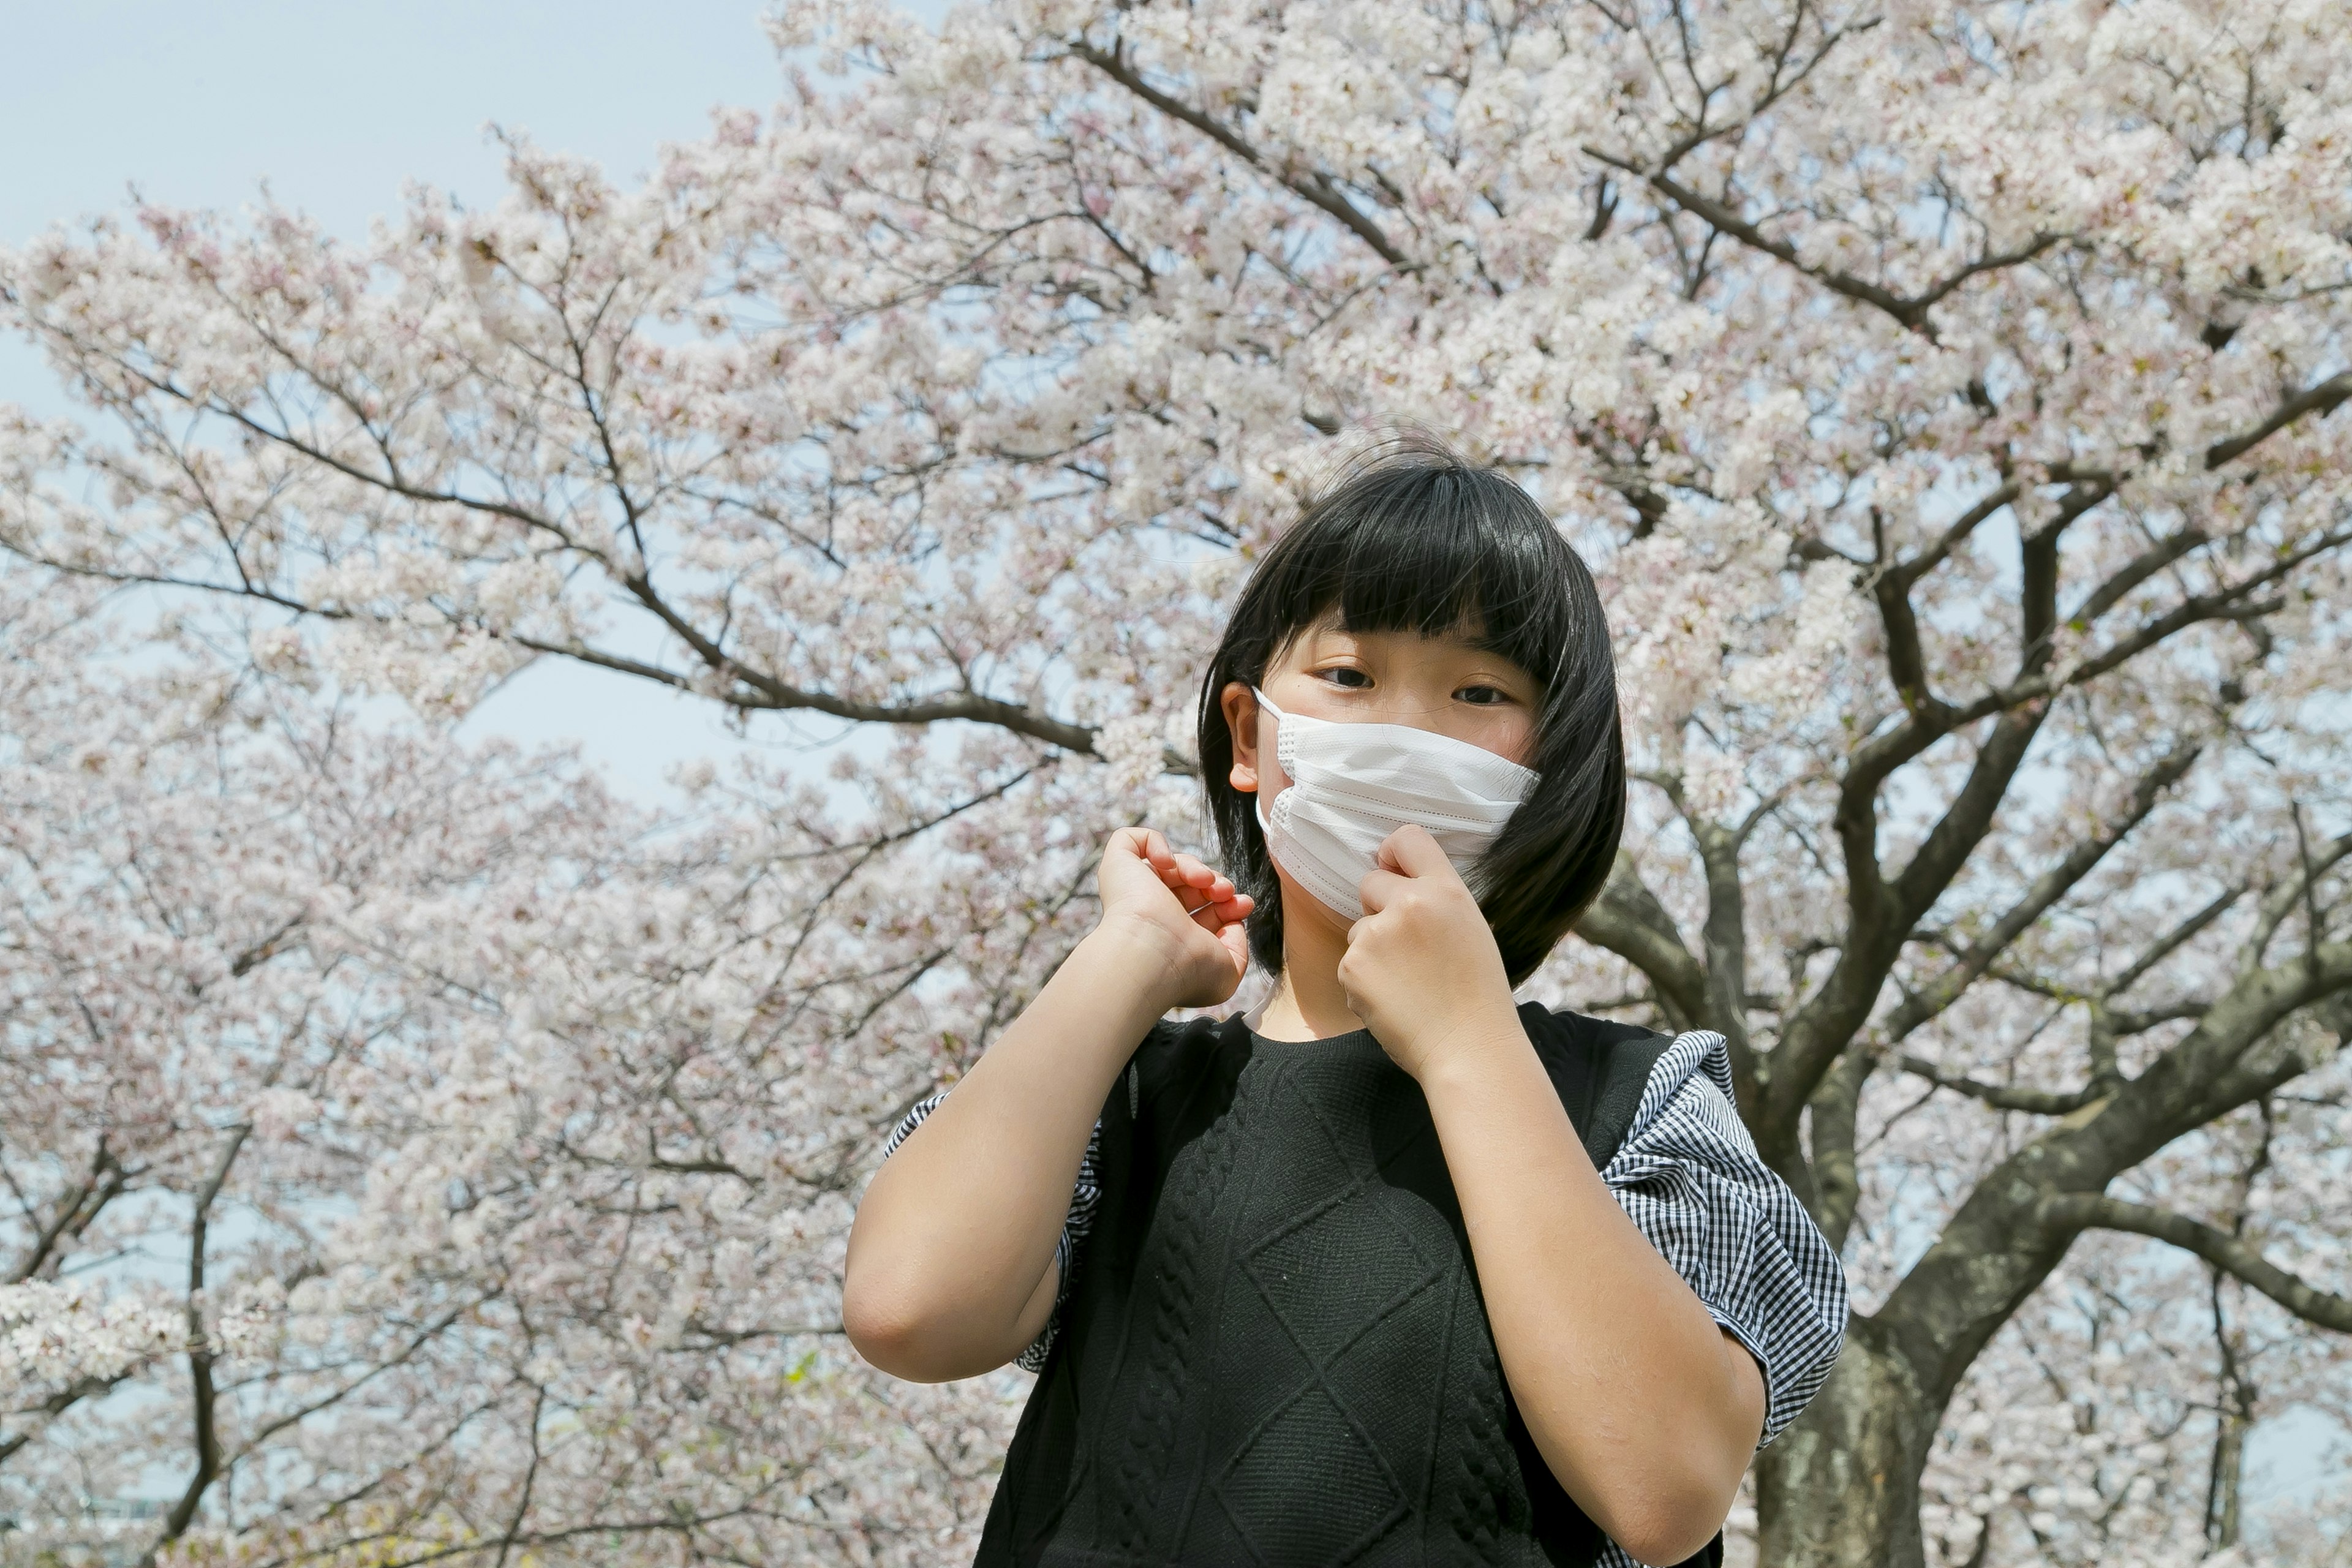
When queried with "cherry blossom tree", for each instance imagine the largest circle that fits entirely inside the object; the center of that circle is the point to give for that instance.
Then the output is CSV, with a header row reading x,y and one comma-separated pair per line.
x,y
1945,392
411,1152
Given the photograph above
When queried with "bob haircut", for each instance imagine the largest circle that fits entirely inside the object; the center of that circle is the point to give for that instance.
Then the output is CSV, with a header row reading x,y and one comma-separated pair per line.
x,y
1409,536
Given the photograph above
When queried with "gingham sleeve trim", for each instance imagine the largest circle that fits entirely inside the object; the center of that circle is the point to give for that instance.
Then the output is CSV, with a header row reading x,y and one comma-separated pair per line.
x,y
1075,1226
1689,1174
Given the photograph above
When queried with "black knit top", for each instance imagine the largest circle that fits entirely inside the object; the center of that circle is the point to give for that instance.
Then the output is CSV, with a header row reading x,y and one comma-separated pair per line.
x,y
1277,1353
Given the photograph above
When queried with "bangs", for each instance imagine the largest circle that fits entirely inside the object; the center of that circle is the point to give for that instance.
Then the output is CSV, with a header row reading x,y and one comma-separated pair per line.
x,y
1412,538
1437,552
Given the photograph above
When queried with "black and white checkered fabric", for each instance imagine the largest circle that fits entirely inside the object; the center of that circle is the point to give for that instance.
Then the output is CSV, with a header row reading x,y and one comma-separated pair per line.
x,y
1689,1176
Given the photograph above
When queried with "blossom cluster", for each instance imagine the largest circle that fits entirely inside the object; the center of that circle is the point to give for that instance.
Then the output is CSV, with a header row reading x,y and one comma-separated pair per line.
x,y
1946,396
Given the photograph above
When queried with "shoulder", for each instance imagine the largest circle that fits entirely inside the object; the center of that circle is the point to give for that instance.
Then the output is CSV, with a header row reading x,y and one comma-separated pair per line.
x,y
1690,1062
1179,1047
1605,1048
1604,1070
1173,1037
1176,1058
1565,1037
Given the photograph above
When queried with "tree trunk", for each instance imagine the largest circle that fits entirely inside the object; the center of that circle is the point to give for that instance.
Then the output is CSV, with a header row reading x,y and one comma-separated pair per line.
x,y
1840,1488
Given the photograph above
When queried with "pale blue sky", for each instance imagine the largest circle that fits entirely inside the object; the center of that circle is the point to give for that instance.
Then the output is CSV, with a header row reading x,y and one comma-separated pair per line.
x,y
336,106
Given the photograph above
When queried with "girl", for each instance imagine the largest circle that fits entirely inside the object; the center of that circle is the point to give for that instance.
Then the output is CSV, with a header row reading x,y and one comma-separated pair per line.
x,y
1388,1269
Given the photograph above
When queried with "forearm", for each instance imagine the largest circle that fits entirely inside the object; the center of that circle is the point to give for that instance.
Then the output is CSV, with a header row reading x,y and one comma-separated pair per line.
x,y
1643,1409
953,1242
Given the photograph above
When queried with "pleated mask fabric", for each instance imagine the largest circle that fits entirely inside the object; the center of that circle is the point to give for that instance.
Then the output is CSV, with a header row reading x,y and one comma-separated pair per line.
x,y
1352,784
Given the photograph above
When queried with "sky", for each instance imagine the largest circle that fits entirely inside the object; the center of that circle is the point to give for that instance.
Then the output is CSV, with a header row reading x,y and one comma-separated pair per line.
x,y
337,107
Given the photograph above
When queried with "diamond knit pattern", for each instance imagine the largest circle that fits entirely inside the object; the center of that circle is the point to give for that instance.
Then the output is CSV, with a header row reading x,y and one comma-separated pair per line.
x,y
1278,1354
1344,1300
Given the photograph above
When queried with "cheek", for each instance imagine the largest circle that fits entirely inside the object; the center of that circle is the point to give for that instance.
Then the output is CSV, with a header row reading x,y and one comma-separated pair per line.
x,y
1522,748
1510,735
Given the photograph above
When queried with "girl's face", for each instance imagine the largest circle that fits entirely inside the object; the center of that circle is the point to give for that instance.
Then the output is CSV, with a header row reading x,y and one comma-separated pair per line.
x,y
1441,684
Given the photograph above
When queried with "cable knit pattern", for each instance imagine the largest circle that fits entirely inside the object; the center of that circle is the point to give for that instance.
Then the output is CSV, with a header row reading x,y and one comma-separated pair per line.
x,y
1195,1184
1479,1524
1689,1176
1686,1171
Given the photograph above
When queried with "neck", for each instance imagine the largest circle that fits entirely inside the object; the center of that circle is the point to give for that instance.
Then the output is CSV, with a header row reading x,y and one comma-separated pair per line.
x,y
1308,1002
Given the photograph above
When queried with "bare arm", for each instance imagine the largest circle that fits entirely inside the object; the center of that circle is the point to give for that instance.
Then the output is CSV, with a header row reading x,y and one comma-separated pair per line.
x,y
1645,1410
951,1269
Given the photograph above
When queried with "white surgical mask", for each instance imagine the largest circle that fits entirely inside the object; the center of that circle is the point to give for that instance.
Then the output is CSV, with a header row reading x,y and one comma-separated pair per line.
x,y
1351,785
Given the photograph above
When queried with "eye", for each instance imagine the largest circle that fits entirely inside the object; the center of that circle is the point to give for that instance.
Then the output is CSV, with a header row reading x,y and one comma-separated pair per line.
x,y
1482,696
1345,675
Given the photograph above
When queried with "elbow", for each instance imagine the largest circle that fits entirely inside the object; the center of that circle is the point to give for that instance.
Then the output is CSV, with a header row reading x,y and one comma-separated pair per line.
x,y
1669,1519
885,1320
906,1327
1669,1540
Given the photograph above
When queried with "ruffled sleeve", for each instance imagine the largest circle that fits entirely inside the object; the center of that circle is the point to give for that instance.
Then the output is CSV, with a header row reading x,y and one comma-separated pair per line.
x,y
1689,1174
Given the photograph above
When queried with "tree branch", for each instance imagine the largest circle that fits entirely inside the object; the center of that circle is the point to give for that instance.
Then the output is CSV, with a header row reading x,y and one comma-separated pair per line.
x,y
2320,398
57,1404
1725,936
768,694
1628,921
1952,537
2164,946
1909,310
77,1208
2007,1097
1999,1244
1316,188
200,1358
1877,918
2047,889
1834,1168
2087,1211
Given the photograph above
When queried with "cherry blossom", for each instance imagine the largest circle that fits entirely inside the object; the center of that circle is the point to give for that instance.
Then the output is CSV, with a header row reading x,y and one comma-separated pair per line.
x,y
1947,396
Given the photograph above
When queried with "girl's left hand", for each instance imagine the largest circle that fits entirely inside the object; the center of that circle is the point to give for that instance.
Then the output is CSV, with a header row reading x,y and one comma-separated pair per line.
x,y
1422,969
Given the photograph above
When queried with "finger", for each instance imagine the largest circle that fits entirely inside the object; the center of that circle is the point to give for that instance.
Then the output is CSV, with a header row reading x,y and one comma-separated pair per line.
x,y
1200,873
1217,915
1213,886
1411,850
1236,946
1126,841
1187,873
1195,900
1156,850
1379,889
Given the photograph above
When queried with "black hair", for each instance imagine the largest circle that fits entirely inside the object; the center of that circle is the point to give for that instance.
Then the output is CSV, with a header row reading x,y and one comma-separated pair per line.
x,y
1409,536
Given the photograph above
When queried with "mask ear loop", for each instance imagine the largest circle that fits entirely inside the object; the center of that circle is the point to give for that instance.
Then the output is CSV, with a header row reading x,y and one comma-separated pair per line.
x,y
1258,794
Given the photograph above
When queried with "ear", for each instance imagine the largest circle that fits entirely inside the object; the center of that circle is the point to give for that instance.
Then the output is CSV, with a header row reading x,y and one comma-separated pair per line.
x,y
1240,706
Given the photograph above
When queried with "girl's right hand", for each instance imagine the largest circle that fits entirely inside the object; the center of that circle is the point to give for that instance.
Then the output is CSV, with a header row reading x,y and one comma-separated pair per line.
x,y
1187,912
